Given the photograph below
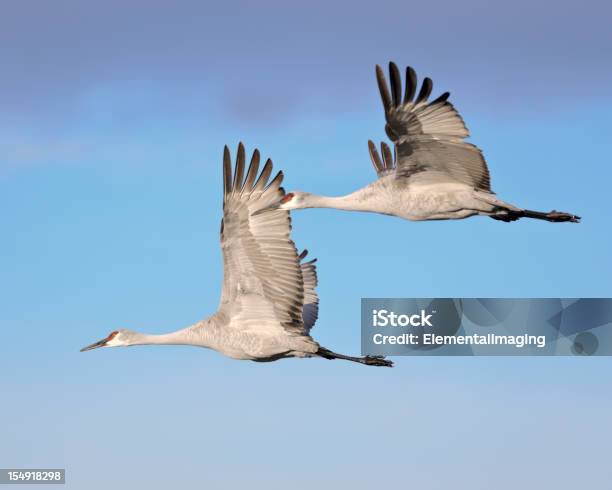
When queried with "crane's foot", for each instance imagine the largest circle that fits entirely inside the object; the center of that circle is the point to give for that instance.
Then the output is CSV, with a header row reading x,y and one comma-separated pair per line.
x,y
377,361
559,217
552,216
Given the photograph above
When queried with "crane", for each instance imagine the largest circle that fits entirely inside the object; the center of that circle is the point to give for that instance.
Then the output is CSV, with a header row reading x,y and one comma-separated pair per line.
x,y
432,174
268,302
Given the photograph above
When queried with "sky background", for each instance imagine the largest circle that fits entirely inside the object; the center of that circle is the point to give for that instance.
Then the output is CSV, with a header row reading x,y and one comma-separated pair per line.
x,y
112,123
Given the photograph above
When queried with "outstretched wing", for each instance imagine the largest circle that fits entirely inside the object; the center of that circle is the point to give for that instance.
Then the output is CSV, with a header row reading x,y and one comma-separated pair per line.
x,y
428,136
262,272
310,312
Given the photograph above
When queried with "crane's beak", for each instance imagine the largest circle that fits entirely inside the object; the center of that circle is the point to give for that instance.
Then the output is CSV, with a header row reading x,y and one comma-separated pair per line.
x,y
271,207
95,345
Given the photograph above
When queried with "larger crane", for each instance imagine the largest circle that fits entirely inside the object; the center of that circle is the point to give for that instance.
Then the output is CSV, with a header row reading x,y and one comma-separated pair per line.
x,y
433,174
268,302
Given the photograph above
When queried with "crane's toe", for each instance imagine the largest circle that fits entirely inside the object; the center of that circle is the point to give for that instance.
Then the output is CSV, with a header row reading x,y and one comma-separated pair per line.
x,y
560,216
377,361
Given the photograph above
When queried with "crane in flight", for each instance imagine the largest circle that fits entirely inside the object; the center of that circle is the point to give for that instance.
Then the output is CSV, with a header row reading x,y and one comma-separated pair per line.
x,y
432,174
268,301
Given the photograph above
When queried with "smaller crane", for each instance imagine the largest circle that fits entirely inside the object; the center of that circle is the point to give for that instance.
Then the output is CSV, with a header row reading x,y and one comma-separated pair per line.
x,y
433,174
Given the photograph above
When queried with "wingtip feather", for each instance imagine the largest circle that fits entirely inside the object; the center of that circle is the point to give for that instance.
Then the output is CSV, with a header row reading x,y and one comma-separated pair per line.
x,y
442,98
375,157
227,171
239,169
387,155
411,83
382,87
425,91
264,176
396,83
252,171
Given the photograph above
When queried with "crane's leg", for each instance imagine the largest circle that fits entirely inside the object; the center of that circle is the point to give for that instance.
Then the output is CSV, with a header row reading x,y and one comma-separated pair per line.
x,y
553,216
367,360
505,211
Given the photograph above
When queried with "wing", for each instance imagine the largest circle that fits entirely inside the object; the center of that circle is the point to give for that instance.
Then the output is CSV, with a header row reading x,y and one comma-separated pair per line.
x,y
428,136
261,266
310,312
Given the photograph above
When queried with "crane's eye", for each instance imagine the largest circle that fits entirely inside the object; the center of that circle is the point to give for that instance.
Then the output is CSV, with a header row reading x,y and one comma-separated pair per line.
x,y
287,197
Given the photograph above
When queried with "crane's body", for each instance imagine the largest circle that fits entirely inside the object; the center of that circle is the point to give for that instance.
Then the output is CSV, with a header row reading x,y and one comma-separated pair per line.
x,y
413,201
269,302
432,173
223,335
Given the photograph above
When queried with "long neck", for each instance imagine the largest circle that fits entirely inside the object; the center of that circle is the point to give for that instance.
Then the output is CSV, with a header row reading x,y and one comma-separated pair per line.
x,y
172,338
196,334
350,202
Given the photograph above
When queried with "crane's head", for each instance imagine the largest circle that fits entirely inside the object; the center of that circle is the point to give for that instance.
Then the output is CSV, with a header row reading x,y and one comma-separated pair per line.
x,y
114,339
291,200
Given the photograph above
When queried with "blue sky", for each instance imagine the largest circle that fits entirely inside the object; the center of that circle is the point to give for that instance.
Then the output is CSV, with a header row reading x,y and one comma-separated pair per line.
x,y
112,126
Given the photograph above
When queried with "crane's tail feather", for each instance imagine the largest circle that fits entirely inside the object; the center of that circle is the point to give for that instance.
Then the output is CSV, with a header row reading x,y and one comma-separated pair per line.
x,y
367,360
552,216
